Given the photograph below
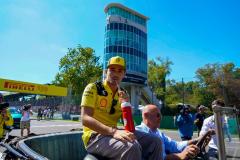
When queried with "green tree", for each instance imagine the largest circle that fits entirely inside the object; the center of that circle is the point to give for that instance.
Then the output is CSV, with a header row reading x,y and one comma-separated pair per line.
x,y
173,92
194,93
221,81
76,69
157,73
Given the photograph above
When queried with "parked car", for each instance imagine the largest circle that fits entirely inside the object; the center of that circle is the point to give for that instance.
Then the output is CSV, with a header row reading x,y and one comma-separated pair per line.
x,y
16,115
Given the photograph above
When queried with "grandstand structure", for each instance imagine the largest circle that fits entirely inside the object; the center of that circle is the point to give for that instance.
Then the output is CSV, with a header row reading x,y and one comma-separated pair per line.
x,y
19,99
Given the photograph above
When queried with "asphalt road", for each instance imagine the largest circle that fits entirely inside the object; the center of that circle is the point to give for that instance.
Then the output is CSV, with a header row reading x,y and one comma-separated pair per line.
x,y
53,126
49,126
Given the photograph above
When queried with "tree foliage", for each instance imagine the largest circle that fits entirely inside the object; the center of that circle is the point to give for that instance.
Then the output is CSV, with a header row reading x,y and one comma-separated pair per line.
x,y
213,81
77,68
222,81
157,73
193,93
173,92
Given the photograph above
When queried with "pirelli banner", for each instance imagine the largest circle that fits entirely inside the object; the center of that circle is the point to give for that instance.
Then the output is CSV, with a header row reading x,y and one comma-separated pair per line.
x,y
32,88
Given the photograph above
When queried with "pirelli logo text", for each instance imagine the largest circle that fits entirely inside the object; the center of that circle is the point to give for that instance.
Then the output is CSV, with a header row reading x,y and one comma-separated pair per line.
x,y
19,86
32,88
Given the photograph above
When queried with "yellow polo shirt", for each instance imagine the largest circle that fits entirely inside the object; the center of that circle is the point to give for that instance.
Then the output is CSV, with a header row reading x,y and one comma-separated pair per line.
x,y
101,106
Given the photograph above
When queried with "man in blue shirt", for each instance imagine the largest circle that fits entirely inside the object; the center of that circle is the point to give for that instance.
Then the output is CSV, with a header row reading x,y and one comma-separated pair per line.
x,y
184,122
171,149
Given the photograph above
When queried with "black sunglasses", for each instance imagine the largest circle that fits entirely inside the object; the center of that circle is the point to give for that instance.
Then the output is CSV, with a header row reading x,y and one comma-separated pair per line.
x,y
112,110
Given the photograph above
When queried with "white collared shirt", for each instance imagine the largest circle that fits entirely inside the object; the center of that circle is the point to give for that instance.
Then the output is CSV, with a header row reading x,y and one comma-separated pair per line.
x,y
209,123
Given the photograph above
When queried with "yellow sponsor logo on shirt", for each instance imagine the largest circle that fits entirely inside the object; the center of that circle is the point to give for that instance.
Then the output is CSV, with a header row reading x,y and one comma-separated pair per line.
x,y
103,102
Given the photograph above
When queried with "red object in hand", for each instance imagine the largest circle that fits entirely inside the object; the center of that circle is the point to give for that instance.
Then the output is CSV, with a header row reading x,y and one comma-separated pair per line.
x,y
127,116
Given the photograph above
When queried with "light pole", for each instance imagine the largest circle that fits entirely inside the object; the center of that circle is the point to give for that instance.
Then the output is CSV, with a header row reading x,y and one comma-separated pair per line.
x,y
183,92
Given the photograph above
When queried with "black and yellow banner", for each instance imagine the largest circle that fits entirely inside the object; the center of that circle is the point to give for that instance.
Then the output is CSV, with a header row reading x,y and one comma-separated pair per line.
x,y
32,88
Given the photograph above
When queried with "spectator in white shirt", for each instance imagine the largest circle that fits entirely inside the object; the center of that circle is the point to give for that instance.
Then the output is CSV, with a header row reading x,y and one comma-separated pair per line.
x,y
208,124
25,120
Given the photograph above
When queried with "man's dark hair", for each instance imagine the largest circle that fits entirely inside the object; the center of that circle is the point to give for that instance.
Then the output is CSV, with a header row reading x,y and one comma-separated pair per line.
x,y
26,107
180,108
3,105
198,106
218,102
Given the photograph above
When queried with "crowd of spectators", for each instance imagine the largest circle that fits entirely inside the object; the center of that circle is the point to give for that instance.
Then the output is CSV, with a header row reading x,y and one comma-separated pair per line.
x,y
50,101
46,108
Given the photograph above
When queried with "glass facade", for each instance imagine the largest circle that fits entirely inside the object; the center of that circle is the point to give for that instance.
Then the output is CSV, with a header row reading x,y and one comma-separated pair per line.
x,y
126,14
128,40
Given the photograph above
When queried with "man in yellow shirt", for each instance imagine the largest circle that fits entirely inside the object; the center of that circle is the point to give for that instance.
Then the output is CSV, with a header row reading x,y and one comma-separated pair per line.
x,y
5,118
100,113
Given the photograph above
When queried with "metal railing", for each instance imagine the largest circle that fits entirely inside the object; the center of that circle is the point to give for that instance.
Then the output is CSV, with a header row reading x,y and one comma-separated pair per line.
x,y
218,118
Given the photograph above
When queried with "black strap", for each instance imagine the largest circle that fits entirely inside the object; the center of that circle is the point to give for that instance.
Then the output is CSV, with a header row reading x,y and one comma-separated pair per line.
x,y
100,89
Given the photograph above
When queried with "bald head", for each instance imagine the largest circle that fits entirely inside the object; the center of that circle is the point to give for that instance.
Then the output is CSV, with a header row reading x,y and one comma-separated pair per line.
x,y
149,108
151,116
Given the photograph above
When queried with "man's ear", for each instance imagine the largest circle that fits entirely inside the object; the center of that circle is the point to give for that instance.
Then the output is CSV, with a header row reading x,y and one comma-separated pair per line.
x,y
145,114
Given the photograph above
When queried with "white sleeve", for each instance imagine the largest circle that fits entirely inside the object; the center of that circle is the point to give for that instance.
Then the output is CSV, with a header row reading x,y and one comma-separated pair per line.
x,y
205,127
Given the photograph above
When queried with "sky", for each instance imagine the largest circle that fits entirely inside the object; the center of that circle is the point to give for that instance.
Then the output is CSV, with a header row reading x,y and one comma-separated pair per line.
x,y
36,34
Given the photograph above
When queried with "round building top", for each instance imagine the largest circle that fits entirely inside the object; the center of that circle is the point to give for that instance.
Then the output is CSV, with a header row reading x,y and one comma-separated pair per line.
x,y
124,8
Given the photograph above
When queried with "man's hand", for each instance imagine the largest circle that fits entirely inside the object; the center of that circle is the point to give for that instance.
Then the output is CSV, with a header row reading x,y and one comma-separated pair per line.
x,y
123,96
193,141
205,138
124,136
190,151
196,121
4,115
